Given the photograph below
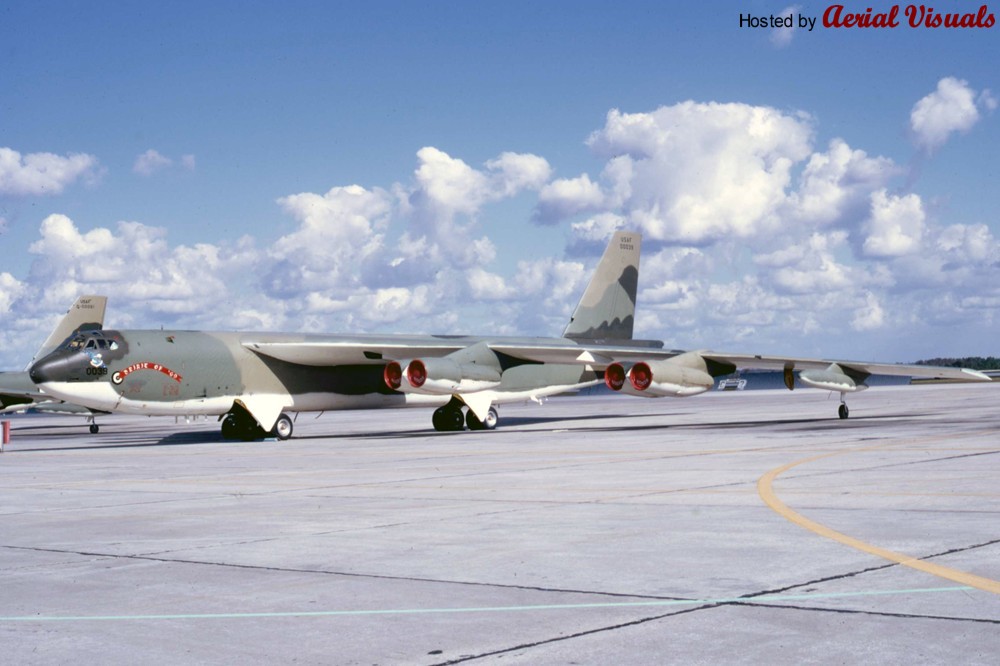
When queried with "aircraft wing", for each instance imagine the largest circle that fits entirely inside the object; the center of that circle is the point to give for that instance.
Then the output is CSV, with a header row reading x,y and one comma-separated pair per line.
x,y
862,368
350,351
17,391
377,350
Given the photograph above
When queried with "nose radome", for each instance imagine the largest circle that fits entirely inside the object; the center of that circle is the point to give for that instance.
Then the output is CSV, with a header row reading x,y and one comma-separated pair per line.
x,y
57,366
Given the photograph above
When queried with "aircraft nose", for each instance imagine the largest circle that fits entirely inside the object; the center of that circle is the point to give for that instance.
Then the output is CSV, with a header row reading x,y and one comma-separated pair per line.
x,y
57,366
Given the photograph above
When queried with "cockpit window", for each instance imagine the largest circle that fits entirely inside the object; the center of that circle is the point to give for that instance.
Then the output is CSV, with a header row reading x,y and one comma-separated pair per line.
x,y
92,341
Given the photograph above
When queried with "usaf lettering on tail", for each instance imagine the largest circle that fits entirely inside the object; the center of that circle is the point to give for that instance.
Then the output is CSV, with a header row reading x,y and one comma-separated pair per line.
x,y
252,381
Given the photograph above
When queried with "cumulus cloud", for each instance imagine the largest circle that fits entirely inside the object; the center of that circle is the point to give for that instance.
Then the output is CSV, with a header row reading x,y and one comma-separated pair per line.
x,y
338,231
819,236
810,267
153,161
870,316
566,197
690,173
512,173
953,107
753,235
487,286
896,225
781,37
150,162
136,264
972,243
836,183
10,289
447,195
43,173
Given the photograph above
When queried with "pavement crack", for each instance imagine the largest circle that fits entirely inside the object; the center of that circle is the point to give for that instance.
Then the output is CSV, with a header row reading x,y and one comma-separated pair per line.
x,y
855,611
859,572
350,574
579,634
817,581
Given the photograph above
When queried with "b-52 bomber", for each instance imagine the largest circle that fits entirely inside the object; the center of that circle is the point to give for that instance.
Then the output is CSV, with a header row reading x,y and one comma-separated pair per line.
x,y
253,381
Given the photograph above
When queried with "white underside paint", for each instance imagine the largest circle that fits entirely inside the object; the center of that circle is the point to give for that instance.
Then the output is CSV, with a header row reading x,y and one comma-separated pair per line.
x,y
266,407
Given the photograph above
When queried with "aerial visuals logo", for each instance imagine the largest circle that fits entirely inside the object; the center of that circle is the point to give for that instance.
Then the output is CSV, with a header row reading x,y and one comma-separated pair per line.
x,y
843,16
916,16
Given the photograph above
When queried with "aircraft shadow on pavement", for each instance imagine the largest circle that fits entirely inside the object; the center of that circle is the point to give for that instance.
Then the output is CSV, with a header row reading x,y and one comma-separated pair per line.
x,y
807,425
111,440
108,439
532,423
506,423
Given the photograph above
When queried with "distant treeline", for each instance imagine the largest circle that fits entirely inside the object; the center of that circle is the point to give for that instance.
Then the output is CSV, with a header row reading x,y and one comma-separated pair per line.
x,y
971,362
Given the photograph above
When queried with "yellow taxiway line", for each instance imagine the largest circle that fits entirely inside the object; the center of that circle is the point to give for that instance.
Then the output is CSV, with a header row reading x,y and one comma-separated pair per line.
x,y
765,488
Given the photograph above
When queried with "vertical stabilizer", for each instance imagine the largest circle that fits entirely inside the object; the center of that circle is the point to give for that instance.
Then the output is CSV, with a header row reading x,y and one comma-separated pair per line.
x,y
86,312
607,309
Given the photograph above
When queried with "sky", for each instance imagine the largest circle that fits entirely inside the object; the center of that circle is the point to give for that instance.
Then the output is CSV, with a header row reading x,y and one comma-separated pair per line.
x,y
457,167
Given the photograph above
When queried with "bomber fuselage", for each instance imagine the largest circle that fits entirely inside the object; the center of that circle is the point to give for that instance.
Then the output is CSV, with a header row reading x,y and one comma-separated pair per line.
x,y
195,372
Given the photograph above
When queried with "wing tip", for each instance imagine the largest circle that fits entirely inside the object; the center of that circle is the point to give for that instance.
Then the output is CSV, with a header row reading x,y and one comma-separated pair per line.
x,y
977,376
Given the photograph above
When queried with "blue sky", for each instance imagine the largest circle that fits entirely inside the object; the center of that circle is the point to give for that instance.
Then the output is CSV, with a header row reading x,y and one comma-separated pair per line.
x,y
456,167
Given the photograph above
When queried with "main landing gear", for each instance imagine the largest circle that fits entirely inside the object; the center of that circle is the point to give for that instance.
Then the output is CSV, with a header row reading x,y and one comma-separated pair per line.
x,y
450,418
240,425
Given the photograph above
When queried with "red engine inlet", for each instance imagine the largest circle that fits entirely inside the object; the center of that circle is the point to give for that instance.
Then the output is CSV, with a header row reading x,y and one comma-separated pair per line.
x,y
640,376
393,375
416,373
614,377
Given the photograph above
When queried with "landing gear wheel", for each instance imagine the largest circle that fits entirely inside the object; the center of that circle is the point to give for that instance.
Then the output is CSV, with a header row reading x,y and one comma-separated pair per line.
x,y
235,426
489,423
843,411
448,419
282,428
94,428
229,427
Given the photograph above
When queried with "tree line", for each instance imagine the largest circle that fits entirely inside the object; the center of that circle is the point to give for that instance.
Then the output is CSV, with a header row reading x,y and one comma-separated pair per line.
x,y
971,362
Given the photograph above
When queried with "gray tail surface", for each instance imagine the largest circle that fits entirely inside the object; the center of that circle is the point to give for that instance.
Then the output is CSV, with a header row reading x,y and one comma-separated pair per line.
x,y
87,312
607,309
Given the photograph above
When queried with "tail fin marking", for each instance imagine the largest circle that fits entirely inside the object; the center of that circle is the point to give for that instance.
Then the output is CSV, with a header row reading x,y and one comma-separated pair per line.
x,y
607,309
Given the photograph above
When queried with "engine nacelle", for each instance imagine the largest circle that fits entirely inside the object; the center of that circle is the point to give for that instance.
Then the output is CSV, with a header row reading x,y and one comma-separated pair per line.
x,y
657,379
831,380
439,376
